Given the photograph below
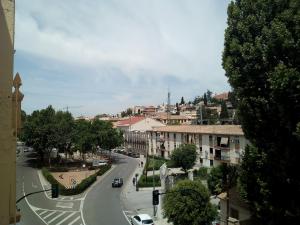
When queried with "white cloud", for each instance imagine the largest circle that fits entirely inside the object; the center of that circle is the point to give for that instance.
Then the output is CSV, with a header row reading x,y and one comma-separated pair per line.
x,y
166,37
138,47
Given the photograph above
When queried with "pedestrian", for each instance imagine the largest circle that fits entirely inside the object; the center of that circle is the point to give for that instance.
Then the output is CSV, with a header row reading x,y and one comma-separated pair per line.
x,y
133,181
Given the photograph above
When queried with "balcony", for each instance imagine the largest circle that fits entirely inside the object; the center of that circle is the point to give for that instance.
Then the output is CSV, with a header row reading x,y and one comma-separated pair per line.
x,y
224,158
222,147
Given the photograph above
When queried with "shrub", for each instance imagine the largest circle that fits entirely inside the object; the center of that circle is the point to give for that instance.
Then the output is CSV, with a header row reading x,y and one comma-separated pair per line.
x,y
201,173
149,183
103,169
58,169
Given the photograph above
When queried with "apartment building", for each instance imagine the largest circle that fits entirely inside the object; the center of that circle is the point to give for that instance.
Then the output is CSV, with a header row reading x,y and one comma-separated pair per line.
x,y
135,133
216,144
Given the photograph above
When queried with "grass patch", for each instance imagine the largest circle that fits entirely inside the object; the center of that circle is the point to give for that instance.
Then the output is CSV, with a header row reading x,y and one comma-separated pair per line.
x,y
149,182
157,162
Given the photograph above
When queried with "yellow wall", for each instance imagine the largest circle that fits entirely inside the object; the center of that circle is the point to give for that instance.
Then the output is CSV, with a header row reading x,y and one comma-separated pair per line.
x,y
7,140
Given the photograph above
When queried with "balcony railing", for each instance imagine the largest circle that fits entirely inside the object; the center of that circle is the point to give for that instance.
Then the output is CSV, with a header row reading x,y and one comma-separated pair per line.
x,y
222,147
222,157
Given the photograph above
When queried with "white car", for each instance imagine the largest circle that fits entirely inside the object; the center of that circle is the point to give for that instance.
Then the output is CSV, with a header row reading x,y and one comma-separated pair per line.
x,y
141,219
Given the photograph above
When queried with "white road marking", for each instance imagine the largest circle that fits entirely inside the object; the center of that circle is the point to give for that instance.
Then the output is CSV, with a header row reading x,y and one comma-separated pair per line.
x,y
50,214
66,218
32,207
33,185
126,217
59,215
74,220
43,213
65,205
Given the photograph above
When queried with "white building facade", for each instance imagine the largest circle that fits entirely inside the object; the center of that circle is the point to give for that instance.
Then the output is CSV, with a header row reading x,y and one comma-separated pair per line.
x,y
135,133
215,144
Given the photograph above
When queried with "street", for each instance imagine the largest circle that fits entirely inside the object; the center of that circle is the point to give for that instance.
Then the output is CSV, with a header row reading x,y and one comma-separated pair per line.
x,y
101,204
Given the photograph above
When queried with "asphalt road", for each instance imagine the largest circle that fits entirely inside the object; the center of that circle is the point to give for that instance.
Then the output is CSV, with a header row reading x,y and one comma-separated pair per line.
x,y
101,204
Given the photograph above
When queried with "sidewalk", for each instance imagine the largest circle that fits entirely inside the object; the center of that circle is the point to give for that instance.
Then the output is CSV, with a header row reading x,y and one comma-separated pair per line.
x,y
139,202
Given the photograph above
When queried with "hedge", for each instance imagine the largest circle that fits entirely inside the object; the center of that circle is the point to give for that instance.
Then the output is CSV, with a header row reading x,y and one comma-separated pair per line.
x,y
142,181
81,187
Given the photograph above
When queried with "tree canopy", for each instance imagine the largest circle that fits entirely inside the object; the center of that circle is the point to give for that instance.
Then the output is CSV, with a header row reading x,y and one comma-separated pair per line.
x,y
262,63
184,156
47,129
189,203
224,112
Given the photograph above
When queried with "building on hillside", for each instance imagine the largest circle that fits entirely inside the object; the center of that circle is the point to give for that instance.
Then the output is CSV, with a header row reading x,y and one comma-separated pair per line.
x,y
135,133
173,119
216,144
223,96
138,110
149,111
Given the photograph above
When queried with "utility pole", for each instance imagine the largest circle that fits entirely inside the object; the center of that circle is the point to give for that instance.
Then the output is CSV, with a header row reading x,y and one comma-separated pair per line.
x,y
7,133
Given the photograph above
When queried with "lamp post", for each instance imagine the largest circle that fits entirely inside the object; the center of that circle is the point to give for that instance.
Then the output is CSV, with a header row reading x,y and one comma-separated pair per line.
x,y
136,182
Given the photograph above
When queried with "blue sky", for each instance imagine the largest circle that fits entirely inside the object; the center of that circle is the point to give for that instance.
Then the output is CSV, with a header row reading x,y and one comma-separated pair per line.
x,y
104,56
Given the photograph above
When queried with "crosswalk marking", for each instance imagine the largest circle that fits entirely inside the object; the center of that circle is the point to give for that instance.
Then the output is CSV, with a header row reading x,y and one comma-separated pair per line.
x,y
74,220
66,218
50,214
59,215
42,213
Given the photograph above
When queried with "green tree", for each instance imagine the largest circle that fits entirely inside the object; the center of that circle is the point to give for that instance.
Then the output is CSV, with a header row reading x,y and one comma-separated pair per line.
x,y
40,133
83,138
184,156
205,99
210,116
189,203
209,95
224,112
64,126
262,63
182,102
105,135
221,176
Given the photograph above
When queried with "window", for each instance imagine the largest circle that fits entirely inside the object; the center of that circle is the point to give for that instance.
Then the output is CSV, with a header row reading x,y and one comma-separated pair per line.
x,y
211,163
201,160
137,218
200,149
174,136
211,150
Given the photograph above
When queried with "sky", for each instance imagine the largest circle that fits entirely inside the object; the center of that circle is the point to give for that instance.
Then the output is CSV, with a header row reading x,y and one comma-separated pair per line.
x,y
105,56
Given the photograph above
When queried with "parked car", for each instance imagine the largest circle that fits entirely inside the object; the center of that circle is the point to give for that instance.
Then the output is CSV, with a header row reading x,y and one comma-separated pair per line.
x,y
141,219
117,182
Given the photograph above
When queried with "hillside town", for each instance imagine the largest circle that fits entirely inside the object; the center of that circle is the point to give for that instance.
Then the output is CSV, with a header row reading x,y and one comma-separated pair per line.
x,y
150,112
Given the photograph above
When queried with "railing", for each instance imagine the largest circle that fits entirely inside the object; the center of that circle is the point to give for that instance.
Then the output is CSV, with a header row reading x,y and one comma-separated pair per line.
x,y
222,147
222,157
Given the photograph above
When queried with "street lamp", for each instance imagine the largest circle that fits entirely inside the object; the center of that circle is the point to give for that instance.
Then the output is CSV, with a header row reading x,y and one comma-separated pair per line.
x,y
136,182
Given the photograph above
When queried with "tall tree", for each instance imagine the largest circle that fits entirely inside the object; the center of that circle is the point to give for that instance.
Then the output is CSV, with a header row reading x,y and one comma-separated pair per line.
x,y
40,133
224,112
205,99
189,203
64,125
261,60
184,156
182,102
209,95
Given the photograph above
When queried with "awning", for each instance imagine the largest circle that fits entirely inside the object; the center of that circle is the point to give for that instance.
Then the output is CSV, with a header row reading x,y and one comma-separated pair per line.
x,y
224,141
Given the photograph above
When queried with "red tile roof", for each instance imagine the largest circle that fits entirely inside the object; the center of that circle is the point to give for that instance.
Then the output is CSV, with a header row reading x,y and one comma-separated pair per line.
x,y
131,121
